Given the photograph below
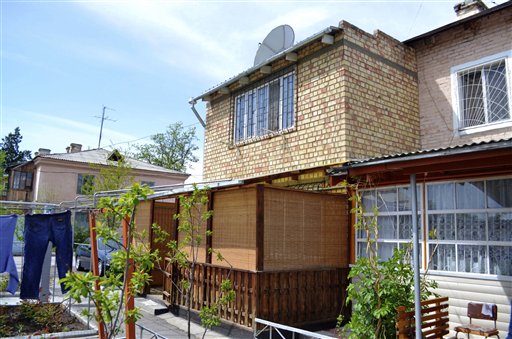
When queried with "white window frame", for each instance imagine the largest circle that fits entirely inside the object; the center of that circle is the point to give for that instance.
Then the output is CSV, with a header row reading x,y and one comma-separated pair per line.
x,y
399,242
424,212
487,243
454,71
262,131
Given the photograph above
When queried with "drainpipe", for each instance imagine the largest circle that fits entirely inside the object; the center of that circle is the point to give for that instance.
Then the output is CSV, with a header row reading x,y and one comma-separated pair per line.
x,y
416,257
192,107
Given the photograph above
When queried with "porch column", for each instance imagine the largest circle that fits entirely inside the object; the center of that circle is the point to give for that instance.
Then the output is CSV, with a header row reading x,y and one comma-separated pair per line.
x,y
416,257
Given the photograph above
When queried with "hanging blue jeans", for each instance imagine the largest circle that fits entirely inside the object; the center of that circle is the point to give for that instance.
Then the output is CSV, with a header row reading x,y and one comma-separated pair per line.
x,y
39,230
7,264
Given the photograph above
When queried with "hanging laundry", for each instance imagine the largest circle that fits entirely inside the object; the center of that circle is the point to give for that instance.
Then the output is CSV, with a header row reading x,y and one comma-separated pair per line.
x,y
39,230
7,264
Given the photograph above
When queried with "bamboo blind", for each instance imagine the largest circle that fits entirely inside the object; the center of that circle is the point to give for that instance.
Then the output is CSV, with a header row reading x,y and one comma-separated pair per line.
x,y
304,230
196,213
234,228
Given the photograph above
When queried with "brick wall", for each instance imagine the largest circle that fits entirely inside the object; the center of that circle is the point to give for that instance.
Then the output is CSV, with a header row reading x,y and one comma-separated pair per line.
x,y
436,55
354,99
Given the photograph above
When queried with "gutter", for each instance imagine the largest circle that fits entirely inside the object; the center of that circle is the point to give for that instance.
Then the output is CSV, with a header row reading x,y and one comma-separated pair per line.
x,y
192,103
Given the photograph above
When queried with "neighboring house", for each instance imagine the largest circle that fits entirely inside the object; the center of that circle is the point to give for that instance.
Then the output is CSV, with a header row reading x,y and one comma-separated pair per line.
x,y
344,104
61,176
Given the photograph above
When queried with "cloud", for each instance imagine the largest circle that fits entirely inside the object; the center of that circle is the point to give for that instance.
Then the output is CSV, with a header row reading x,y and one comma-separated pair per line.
x,y
209,40
54,132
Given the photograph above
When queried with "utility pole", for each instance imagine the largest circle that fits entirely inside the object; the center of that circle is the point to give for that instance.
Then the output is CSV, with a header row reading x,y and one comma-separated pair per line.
x,y
103,118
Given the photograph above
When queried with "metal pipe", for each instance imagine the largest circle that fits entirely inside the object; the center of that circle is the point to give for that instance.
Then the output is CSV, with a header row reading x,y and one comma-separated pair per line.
x,y
193,108
416,257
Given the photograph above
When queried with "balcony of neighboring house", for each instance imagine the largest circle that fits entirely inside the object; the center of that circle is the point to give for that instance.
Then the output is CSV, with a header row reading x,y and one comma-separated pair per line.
x,y
19,186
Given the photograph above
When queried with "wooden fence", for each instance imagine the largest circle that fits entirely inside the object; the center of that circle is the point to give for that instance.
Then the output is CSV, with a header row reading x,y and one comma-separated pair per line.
x,y
286,297
434,320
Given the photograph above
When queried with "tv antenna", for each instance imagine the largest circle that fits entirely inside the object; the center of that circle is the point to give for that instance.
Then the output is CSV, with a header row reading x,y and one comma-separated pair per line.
x,y
279,39
103,118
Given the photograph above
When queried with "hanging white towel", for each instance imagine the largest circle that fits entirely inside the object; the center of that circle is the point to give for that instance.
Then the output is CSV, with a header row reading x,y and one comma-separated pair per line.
x,y
487,309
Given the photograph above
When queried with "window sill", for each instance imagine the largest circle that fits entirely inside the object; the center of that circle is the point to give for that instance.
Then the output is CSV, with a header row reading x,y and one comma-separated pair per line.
x,y
485,128
464,275
264,137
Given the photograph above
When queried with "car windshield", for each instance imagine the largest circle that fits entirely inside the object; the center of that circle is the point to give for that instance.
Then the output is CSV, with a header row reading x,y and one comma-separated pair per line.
x,y
109,246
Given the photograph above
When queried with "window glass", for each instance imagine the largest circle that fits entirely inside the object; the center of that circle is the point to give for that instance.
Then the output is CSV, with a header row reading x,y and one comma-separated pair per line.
x,y
499,193
500,226
385,250
471,226
264,109
387,227
240,115
84,181
386,200
441,226
368,201
22,180
483,94
496,86
440,196
500,258
405,227
470,195
443,257
273,114
251,114
472,258
288,101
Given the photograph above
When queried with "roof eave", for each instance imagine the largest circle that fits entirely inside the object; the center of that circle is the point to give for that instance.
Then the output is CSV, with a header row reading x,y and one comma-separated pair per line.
x,y
503,144
328,30
458,22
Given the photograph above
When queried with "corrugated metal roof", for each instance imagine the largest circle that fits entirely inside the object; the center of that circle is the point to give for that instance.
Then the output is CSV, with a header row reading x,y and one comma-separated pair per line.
x,y
428,153
100,157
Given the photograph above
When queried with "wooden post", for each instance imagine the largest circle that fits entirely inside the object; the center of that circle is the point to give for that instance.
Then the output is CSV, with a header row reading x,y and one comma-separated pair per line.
x,y
402,323
95,269
260,227
130,301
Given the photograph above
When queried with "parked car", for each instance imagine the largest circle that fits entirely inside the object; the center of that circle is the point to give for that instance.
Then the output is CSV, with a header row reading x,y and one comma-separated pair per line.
x,y
105,251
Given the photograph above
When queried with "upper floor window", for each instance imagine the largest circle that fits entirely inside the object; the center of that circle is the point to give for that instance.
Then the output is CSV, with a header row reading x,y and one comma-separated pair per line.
x,y
22,180
85,183
265,109
483,95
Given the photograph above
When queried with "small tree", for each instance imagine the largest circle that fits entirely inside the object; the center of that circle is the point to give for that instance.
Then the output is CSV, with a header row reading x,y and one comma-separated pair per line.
x,y
116,175
379,287
193,214
110,300
173,149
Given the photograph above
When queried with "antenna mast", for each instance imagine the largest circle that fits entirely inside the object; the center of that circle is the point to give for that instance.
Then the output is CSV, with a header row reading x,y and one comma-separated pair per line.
x,y
103,118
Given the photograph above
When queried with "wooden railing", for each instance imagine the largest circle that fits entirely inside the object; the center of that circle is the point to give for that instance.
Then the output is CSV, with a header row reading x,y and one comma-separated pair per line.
x,y
434,320
287,297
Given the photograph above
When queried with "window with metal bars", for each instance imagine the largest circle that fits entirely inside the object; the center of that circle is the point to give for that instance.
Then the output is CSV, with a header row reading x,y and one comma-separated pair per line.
x,y
483,94
265,109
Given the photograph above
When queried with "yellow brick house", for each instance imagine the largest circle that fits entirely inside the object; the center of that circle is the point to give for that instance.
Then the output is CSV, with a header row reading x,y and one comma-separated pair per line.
x,y
347,104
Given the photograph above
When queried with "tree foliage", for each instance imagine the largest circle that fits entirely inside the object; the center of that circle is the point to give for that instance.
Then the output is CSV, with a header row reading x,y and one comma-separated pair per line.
x,y
3,177
378,287
173,149
116,175
11,146
108,300
184,253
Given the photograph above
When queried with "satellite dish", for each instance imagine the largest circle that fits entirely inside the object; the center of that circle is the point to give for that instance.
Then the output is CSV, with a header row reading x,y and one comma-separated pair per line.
x,y
278,40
